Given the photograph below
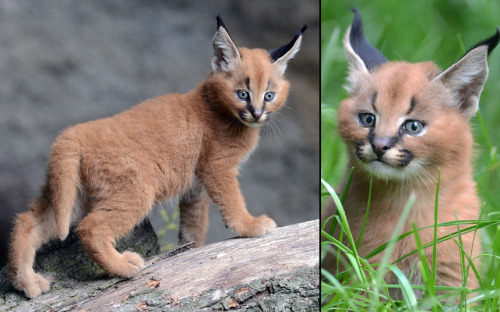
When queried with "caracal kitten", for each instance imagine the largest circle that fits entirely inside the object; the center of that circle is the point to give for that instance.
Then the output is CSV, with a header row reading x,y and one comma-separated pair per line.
x,y
401,124
106,175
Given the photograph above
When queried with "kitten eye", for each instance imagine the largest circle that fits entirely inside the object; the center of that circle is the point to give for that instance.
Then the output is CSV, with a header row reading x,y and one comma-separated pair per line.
x,y
367,119
243,95
269,96
413,126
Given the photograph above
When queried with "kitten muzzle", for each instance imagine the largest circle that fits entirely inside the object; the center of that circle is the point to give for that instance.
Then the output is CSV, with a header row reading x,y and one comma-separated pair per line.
x,y
378,151
253,118
256,114
380,145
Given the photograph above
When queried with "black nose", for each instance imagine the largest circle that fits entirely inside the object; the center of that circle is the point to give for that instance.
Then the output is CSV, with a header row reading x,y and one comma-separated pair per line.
x,y
380,145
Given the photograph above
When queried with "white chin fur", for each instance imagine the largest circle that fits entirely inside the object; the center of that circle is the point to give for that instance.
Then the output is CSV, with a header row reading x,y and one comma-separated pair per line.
x,y
387,172
253,124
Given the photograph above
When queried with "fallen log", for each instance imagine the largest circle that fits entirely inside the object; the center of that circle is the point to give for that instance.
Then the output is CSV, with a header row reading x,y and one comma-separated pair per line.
x,y
277,272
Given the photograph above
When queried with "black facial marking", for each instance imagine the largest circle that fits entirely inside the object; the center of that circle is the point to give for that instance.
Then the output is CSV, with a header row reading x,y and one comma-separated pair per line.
x,y
373,100
395,139
371,135
413,102
359,145
406,158
247,83
250,109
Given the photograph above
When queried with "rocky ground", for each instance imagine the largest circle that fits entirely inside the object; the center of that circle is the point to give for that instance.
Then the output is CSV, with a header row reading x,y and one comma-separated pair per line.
x,y
66,62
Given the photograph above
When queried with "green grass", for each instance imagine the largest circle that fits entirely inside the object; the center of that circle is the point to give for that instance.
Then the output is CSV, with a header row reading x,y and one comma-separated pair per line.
x,y
415,31
170,229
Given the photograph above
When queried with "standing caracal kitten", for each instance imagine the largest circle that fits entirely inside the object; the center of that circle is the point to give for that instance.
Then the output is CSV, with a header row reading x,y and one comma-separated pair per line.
x,y
107,174
401,124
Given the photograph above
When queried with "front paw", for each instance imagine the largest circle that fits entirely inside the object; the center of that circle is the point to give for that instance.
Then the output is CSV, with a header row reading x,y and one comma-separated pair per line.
x,y
131,264
259,226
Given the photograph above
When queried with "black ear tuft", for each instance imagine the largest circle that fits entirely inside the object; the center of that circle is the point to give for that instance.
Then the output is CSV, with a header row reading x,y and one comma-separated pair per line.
x,y
491,42
220,23
370,56
279,52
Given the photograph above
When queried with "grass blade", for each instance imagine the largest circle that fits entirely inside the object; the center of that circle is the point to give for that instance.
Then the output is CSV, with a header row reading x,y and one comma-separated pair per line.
x,y
434,241
366,213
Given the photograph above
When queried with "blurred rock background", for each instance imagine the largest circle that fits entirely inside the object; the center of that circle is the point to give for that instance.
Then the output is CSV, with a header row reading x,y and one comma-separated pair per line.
x,y
67,62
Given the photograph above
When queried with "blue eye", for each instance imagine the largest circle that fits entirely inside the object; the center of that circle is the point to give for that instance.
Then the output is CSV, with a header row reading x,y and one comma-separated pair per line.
x,y
367,119
269,96
413,126
243,95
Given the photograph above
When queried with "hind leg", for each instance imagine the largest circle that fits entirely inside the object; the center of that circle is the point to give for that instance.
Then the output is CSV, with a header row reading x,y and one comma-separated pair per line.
x,y
193,224
32,229
108,221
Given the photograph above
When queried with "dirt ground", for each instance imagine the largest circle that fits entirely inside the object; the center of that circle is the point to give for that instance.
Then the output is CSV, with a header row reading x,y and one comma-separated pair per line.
x,y
66,62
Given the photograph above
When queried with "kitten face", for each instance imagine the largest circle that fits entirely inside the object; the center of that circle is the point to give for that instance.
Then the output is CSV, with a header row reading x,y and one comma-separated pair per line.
x,y
249,83
399,124
404,120
256,88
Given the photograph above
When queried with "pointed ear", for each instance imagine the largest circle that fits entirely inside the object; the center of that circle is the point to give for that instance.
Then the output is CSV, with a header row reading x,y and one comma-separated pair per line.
x,y
282,55
225,52
361,55
466,78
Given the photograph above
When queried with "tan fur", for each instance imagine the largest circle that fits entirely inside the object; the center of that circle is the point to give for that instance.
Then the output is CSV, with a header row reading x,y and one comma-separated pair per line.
x,y
445,145
105,175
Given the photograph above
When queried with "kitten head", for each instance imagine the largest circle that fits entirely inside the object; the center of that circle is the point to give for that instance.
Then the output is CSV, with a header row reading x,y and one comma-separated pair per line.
x,y
249,83
402,120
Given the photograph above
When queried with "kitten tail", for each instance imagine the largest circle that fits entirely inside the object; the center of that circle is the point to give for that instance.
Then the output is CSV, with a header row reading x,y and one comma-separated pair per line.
x,y
64,168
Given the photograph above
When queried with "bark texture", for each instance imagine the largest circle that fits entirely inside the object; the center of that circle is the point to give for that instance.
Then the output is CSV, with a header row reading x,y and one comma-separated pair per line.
x,y
277,272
